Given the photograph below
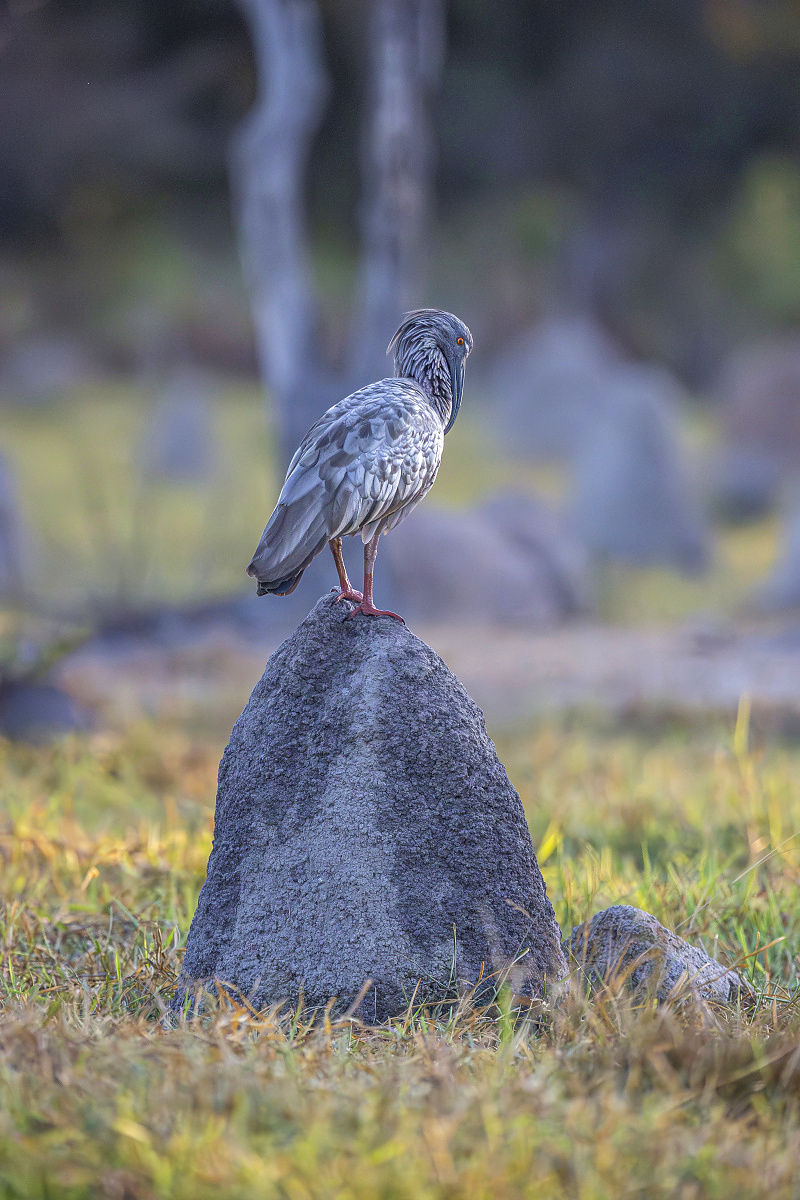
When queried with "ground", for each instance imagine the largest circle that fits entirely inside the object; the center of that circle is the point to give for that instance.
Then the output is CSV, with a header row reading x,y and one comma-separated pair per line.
x,y
691,811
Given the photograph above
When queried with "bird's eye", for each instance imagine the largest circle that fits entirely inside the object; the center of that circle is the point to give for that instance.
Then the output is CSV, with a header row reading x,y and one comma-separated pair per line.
x,y
460,341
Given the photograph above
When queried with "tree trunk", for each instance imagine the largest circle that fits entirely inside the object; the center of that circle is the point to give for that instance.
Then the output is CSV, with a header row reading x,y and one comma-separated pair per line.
x,y
270,155
406,53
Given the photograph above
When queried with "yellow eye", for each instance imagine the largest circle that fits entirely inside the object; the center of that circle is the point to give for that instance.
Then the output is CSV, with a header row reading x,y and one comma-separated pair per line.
x,y
460,341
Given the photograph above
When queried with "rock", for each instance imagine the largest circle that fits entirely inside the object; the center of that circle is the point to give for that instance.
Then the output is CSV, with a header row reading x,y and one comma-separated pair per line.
x,y
33,711
759,400
546,386
781,592
498,564
14,538
560,560
627,945
366,830
632,501
178,444
563,391
745,484
43,368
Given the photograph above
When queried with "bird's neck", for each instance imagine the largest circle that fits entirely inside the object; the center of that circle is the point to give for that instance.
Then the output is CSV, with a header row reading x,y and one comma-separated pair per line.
x,y
431,372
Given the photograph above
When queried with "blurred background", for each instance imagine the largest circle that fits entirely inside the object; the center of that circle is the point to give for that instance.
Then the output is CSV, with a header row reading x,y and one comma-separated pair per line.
x,y
212,215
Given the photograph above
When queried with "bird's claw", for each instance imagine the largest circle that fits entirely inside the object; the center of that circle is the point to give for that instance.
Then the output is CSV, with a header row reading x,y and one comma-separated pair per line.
x,y
345,594
369,610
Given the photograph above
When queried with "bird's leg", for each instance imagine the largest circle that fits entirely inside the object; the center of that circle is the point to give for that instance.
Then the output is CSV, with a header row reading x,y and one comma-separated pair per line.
x,y
367,606
346,589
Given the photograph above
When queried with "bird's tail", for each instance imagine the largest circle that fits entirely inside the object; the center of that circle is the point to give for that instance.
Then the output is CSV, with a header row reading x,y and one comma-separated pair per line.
x,y
282,588
295,534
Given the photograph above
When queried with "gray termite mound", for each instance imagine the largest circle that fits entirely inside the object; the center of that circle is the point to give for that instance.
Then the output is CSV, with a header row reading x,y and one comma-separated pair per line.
x,y
366,830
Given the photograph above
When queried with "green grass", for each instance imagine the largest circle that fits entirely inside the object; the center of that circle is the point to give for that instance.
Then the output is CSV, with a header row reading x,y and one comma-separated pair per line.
x,y
104,843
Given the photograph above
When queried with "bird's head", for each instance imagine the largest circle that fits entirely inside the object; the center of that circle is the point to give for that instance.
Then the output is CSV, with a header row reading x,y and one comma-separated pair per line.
x,y
431,347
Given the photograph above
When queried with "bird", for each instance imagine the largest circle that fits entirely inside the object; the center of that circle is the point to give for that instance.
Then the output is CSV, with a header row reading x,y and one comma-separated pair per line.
x,y
368,461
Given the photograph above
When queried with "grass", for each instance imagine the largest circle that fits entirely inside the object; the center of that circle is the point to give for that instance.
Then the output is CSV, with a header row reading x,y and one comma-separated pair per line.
x,y
104,843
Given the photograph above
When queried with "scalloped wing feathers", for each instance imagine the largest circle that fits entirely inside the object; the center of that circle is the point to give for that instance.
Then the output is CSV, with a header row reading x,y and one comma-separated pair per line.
x,y
360,469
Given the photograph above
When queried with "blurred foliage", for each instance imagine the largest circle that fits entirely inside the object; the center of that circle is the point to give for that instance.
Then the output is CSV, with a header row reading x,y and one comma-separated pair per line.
x,y
586,155
749,29
760,248
104,843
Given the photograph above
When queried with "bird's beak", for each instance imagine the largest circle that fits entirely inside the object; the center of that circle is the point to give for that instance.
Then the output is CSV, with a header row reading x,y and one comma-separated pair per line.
x,y
456,390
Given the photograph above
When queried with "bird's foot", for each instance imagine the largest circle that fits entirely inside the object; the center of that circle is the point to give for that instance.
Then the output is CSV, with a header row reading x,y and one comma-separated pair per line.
x,y
368,609
347,594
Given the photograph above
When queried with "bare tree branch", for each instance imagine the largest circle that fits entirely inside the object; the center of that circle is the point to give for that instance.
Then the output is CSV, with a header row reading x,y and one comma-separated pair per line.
x,y
269,162
406,47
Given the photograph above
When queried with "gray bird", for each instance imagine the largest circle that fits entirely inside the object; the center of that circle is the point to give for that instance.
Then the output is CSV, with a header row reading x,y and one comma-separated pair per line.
x,y
368,461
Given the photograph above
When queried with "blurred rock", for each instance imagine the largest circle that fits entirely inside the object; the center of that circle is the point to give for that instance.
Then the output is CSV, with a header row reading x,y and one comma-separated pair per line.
x,y
173,627
13,538
708,634
368,845
41,369
561,562
628,947
178,444
632,501
508,562
744,484
782,589
32,711
759,398
548,385
563,391
759,395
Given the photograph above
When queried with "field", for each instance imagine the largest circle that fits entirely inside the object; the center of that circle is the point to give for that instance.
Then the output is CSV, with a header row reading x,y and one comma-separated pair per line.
x,y
104,841
104,844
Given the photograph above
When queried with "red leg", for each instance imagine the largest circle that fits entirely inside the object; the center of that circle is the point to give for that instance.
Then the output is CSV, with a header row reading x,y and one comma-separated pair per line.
x,y
346,589
367,606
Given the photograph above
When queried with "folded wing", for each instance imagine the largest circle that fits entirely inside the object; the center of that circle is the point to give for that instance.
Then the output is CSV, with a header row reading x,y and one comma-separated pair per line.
x,y
361,468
